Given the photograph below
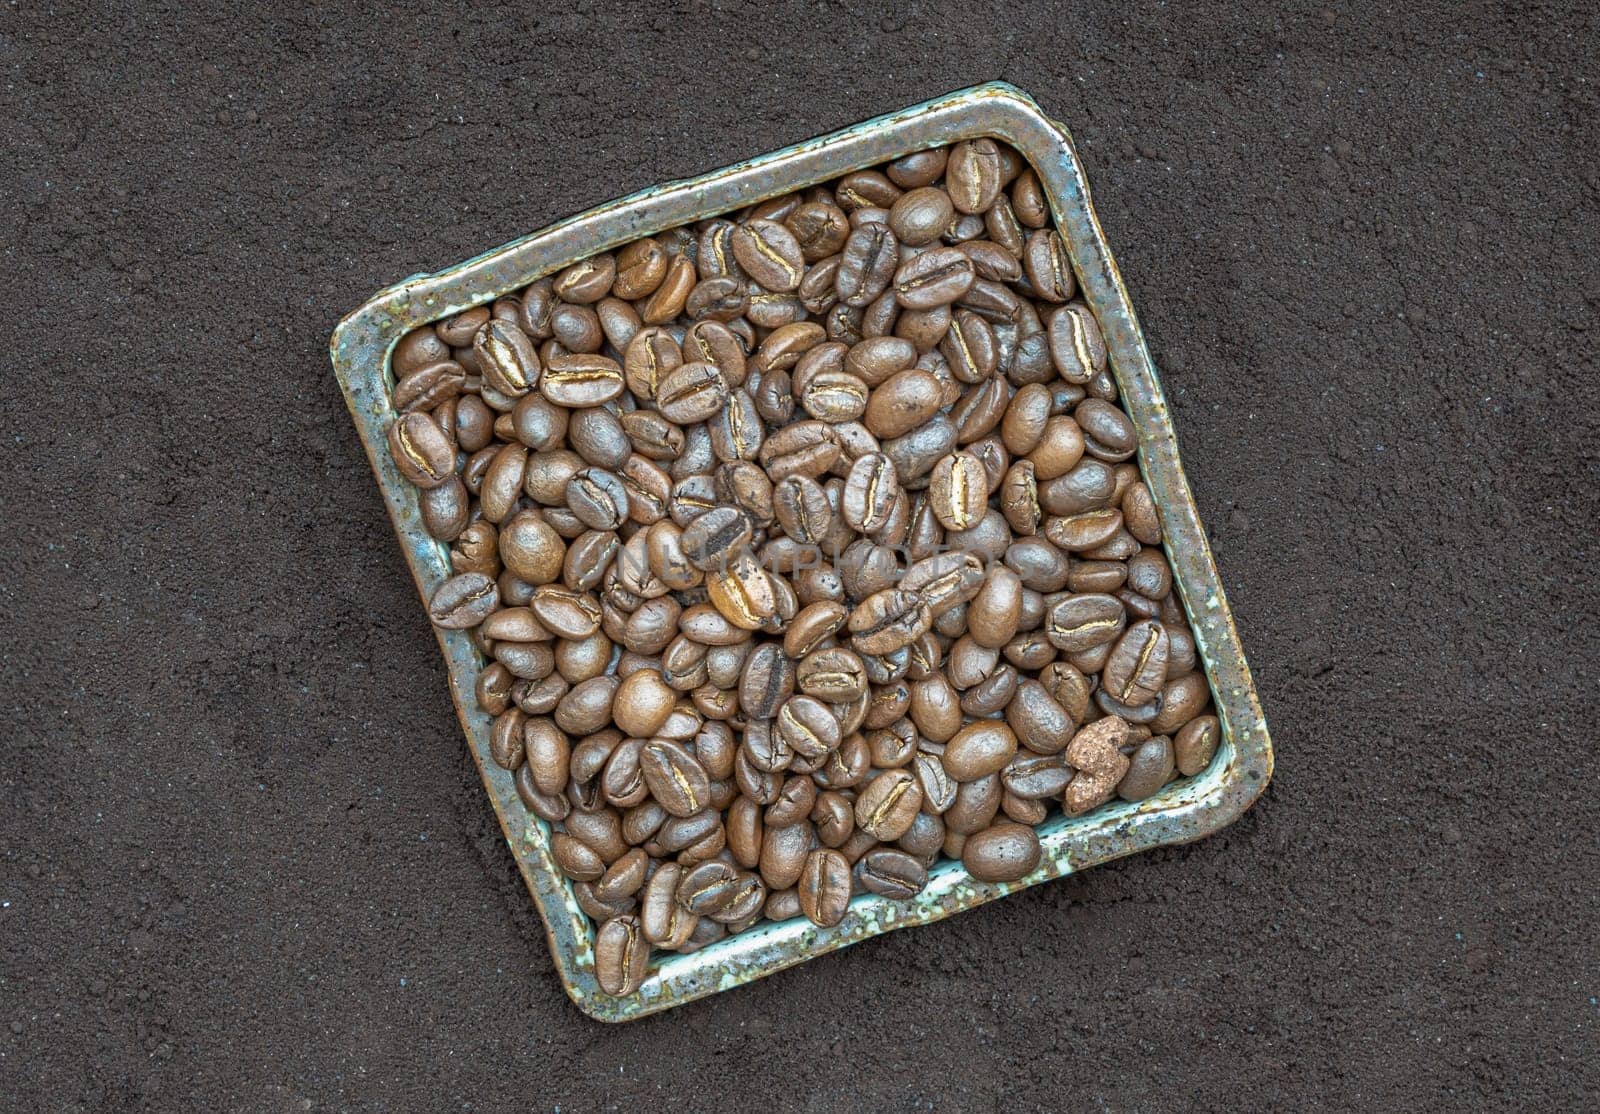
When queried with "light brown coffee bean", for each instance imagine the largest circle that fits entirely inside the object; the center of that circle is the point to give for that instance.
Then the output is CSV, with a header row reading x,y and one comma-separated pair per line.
x,y
892,874
692,393
676,779
1196,744
1082,622
870,493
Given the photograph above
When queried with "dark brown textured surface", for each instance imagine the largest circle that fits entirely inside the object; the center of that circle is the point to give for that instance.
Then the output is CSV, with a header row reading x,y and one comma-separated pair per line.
x,y
245,862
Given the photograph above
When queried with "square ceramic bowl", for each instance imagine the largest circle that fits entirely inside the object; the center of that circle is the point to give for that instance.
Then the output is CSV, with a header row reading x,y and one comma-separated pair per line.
x,y
1185,810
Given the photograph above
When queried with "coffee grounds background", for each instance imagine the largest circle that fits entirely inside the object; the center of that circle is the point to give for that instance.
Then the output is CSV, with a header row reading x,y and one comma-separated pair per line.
x,y
245,860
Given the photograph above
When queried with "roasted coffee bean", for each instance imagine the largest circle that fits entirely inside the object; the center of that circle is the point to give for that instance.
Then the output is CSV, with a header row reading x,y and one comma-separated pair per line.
x,y
866,189
1149,768
892,874
769,253
1003,853
820,228
921,215
621,956
958,491
919,169
1108,433
463,601
887,620
888,804
1196,744
870,257
1081,622
806,726
1137,667
1076,346
1048,268
1139,514
969,347
824,887
1032,777
668,299
870,493
506,358
715,538
709,888
421,450
766,681
831,675
783,854
973,175
675,778
902,403
1088,485
937,277
418,348
979,749
580,379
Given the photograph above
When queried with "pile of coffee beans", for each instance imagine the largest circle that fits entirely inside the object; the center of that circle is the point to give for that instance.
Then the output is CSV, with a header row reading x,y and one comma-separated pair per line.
x,y
803,547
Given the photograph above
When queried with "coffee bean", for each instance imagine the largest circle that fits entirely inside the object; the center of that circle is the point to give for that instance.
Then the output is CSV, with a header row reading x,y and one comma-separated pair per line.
x,y
1081,622
769,253
958,491
1108,433
1076,346
692,393
921,215
870,493
1196,744
421,450
783,854
506,358
579,380
892,874
869,260
973,175
887,620
1003,853
824,887
463,601
1137,667
937,277
888,804
1149,768
921,168
969,347
979,749
621,956
713,539
1048,268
